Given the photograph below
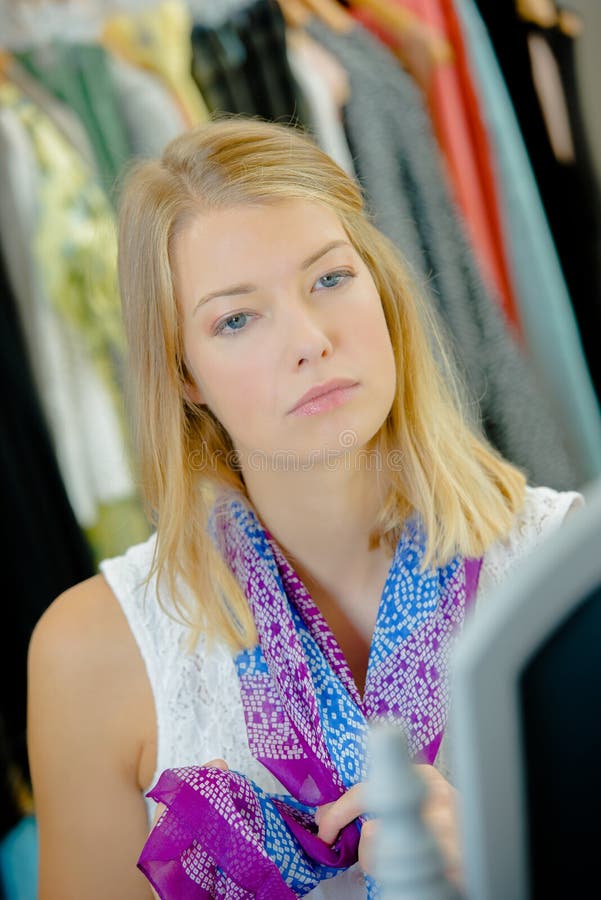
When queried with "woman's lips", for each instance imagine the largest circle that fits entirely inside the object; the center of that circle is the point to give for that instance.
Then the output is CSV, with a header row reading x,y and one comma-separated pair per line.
x,y
332,398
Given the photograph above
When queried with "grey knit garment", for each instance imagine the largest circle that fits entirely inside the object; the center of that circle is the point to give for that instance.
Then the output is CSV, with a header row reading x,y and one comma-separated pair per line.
x,y
400,170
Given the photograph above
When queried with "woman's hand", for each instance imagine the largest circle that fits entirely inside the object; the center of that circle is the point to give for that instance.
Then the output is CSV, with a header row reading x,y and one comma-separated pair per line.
x,y
332,817
439,813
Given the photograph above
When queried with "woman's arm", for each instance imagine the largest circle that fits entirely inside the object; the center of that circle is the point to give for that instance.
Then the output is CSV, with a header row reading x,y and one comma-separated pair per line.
x,y
91,740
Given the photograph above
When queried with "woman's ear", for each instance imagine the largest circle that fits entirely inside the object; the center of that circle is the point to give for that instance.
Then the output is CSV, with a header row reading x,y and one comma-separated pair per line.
x,y
192,392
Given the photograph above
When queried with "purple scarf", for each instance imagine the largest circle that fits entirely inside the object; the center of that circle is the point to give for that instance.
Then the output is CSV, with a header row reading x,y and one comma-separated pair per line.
x,y
222,836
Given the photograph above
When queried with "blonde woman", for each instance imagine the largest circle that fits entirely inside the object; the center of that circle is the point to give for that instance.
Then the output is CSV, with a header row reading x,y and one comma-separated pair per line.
x,y
326,516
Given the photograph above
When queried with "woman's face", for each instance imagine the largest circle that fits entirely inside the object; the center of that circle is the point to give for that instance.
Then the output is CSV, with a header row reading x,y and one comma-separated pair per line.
x,y
276,302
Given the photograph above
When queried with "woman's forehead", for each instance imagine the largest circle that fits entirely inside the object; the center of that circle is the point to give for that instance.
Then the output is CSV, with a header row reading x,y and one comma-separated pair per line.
x,y
252,240
299,214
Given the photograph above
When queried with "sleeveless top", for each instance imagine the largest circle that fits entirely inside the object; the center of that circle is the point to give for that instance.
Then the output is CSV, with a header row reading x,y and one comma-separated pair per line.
x,y
196,694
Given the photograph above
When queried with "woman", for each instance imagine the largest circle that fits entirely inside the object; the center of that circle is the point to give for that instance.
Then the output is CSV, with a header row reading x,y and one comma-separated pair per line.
x,y
325,517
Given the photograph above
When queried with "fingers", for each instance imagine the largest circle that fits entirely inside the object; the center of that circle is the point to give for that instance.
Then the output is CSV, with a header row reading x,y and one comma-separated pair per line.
x,y
369,832
332,817
216,764
439,813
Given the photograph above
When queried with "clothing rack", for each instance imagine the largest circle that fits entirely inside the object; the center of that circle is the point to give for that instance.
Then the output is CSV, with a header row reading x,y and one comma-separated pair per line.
x,y
24,23
225,83
214,12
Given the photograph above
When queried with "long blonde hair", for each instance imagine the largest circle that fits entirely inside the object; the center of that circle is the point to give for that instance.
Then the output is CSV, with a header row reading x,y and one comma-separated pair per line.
x,y
466,494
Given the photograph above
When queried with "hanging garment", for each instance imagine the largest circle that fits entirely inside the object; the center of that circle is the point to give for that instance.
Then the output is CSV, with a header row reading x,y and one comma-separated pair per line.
x,y
324,83
79,75
549,324
218,66
305,720
241,65
158,39
43,550
57,234
398,166
263,28
569,188
263,63
58,112
149,113
456,116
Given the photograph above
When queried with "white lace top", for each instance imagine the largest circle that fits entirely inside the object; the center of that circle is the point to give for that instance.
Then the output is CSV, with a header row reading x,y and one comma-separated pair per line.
x,y
198,708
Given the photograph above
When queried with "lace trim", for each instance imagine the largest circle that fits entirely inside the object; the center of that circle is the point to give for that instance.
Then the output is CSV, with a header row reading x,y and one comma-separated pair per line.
x,y
543,512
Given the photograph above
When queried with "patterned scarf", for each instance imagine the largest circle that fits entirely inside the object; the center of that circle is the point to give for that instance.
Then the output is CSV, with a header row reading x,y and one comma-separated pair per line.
x,y
222,835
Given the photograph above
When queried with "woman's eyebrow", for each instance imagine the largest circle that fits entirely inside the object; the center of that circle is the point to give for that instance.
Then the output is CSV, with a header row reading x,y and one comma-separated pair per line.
x,y
315,256
249,288
225,292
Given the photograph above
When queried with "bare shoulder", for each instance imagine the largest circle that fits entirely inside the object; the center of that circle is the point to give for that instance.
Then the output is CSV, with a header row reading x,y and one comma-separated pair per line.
x,y
89,602
90,726
82,649
87,612
83,619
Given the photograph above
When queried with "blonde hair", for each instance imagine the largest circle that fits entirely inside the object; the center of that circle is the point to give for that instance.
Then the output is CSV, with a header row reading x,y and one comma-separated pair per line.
x,y
466,494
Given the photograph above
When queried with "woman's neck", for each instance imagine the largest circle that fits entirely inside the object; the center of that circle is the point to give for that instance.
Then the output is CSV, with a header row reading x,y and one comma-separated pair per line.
x,y
323,520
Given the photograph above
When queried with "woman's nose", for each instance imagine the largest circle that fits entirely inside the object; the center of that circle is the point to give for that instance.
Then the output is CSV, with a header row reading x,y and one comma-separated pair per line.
x,y
308,335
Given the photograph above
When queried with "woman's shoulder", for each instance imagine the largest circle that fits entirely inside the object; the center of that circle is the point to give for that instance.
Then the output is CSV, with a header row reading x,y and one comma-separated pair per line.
x,y
544,510
81,619
115,611
82,648
90,730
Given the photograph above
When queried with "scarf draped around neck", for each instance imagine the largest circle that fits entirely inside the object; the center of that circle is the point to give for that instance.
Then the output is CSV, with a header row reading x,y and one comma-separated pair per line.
x,y
222,835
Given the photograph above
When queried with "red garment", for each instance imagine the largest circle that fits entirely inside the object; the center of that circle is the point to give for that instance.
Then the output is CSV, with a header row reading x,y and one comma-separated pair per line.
x,y
457,122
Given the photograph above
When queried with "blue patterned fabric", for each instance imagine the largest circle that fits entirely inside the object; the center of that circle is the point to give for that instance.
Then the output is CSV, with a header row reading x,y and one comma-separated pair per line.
x,y
222,836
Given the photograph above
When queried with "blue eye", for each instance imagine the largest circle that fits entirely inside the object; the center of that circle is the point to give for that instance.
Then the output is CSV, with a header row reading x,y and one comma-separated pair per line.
x,y
234,323
333,279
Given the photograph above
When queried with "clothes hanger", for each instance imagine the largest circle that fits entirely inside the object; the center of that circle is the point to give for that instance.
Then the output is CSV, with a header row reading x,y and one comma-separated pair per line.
x,y
545,14
419,47
540,12
32,23
404,24
298,12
